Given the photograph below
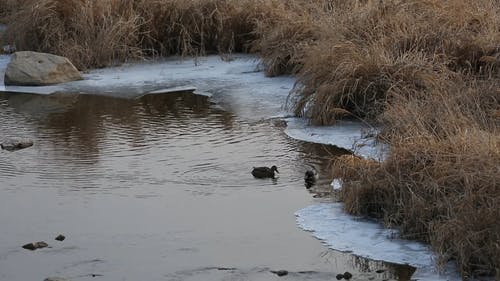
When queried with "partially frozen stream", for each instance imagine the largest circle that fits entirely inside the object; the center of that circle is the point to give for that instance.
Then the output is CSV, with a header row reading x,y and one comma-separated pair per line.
x,y
158,187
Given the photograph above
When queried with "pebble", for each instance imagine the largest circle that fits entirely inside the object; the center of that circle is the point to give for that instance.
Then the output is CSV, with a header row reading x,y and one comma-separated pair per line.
x,y
16,144
35,245
60,237
280,272
347,275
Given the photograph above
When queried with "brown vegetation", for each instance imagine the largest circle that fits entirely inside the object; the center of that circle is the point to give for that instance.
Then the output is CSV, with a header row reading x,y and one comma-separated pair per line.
x,y
439,182
100,33
428,70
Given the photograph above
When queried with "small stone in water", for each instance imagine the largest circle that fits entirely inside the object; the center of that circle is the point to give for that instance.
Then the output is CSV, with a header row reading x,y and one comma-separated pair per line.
x,y
280,272
226,268
16,144
60,237
35,245
347,275
30,246
339,276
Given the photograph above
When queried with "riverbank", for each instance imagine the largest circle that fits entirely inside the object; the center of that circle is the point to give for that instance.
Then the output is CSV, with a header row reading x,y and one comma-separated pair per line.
x,y
427,71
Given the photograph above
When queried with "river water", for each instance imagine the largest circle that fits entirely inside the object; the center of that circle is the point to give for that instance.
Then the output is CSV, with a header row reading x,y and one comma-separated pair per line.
x,y
158,186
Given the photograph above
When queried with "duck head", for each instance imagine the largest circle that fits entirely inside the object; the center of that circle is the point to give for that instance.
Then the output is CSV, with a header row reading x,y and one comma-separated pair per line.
x,y
274,169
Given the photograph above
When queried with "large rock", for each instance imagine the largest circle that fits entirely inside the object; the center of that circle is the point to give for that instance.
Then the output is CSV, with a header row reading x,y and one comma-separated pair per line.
x,y
39,69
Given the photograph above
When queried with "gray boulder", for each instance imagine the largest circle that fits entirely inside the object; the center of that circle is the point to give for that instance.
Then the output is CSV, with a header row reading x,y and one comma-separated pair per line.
x,y
39,69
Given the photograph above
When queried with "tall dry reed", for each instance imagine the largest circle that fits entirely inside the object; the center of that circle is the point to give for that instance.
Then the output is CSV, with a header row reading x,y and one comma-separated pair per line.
x,y
439,182
369,51
99,33
428,71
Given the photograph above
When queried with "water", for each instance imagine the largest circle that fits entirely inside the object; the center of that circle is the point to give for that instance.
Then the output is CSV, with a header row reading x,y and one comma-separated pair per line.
x,y
159,188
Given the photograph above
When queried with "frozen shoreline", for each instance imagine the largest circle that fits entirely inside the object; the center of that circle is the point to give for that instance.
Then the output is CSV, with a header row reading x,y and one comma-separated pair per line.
x,y
239,87
338,230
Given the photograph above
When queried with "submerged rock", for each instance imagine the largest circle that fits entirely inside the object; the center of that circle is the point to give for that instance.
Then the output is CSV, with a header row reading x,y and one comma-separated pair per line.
x,y
39,69
16,144
56,279
35,245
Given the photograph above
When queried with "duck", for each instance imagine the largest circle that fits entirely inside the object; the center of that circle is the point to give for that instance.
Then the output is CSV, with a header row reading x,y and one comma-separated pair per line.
x,y
264,172
310,178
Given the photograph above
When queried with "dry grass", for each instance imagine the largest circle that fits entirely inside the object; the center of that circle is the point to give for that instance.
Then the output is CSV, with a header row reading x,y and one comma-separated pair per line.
x,y
428,70
440,181
369,52
95,33
90,33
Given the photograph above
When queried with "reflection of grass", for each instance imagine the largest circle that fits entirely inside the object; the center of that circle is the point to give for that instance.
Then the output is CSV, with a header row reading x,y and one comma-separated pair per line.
x,y
428,70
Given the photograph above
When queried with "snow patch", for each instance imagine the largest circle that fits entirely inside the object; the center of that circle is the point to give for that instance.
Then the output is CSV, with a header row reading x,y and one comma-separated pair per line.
x,y
336,184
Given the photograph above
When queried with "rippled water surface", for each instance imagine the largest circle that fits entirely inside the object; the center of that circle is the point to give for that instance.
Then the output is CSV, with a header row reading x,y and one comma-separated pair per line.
x,y
157,188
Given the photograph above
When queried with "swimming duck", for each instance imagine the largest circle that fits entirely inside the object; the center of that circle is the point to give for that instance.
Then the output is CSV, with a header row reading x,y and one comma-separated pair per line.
x,y
310,178
264,172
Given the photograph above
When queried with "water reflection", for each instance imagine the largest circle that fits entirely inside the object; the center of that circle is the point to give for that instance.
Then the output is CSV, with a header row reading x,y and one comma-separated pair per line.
x,y
383,270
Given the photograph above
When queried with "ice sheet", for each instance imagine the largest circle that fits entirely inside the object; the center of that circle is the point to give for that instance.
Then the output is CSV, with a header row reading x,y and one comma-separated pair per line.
x,y
329,223
349,135
236,84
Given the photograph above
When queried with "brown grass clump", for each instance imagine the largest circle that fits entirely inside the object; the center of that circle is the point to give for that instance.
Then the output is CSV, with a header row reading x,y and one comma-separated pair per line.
x,y
440,181
370,51
198,27
282,41
95,33
428,71
90,33
5,9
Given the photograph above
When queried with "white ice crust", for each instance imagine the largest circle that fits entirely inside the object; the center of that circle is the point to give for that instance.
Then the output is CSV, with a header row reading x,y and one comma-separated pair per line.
x,y
350,135
329,223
